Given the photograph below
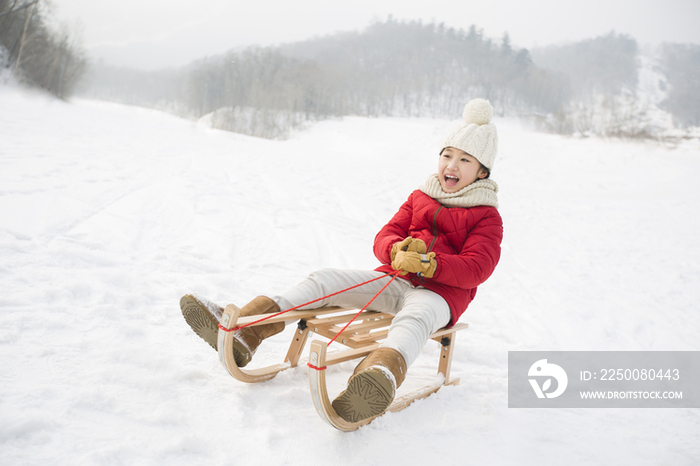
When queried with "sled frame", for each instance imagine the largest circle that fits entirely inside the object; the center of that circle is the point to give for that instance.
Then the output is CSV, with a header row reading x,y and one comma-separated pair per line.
x,y
231,318
361,337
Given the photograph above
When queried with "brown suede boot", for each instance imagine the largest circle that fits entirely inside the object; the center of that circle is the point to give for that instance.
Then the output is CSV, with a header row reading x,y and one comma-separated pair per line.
x,y
247,340
372,387
204,317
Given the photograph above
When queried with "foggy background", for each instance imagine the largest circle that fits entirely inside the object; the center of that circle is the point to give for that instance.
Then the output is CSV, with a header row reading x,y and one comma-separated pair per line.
x,y
612,68
159,33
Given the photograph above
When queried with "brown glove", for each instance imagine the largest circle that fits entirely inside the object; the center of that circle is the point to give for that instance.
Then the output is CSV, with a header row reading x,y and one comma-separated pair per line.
x,y
409,244
408,261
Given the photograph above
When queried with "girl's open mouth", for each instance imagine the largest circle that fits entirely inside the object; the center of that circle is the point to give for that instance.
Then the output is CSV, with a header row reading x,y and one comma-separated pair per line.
x,y
451,180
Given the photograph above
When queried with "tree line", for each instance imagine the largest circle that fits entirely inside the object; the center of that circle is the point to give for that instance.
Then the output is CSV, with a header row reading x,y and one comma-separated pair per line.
x,y
395,68
35,53
391,68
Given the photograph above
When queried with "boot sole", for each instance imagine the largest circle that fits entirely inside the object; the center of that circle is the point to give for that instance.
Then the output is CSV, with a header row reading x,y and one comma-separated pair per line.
x,y
369,394
200,320
206,326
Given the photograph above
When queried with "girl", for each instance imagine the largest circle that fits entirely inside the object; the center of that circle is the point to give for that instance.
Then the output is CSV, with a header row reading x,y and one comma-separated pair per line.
x,y
445,239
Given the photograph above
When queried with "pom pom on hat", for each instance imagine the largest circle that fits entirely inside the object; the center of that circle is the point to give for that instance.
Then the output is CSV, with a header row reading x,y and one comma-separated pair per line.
x,y
476,135
478,111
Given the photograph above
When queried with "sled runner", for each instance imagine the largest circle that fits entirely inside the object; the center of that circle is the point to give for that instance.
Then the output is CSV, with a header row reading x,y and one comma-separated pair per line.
x,y
361,337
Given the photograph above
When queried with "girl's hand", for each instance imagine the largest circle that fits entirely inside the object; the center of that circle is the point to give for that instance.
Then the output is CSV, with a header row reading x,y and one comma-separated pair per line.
x,y
409,244
408,261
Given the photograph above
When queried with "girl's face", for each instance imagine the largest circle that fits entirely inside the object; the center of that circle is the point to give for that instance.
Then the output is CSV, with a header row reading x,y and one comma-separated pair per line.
x,y
457,170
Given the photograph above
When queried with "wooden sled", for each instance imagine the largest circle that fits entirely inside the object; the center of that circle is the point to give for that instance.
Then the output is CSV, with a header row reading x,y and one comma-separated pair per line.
x,y
361,337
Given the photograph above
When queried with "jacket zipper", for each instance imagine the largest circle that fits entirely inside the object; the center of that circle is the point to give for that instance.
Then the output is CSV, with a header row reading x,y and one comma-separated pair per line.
x,y
435,232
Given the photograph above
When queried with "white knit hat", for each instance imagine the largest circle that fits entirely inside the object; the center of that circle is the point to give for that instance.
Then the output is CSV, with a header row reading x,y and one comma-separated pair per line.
x,y
476,135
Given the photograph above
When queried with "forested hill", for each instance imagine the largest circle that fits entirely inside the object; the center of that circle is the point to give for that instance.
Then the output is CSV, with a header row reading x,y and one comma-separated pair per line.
x,y
415,69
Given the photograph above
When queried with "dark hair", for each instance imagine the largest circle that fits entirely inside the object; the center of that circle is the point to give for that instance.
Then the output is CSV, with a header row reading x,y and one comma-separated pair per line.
x,y
488,172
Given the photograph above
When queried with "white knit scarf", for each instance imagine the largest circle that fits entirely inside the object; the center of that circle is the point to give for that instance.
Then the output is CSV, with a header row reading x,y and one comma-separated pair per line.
x,y
480,192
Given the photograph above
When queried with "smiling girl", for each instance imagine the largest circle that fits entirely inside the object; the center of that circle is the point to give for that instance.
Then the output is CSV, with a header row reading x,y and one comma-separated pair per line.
x,y
446,240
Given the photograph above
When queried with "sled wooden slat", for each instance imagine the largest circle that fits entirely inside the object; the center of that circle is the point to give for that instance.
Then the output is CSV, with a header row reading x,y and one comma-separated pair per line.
x,y
343,319
361,340
349,355
367,325
291,315
358,334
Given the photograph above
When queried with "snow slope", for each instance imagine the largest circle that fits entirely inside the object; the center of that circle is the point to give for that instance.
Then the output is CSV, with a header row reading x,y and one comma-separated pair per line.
x,y
109,213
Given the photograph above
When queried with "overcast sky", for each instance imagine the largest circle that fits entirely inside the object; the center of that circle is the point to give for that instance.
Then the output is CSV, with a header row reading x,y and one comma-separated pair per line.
x,y
157,33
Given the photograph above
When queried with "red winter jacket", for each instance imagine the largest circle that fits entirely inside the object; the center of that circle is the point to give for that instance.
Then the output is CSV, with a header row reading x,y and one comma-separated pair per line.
x,y
466,242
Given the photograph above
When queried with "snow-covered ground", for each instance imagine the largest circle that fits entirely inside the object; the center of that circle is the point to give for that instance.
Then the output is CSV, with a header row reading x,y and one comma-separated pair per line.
x,y
109,213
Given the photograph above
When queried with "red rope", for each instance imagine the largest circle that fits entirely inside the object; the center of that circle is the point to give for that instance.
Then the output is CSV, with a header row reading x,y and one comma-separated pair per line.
x,y
394,273
316,368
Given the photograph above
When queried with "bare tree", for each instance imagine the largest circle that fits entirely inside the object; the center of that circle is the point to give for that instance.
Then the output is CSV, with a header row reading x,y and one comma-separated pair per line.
x,y
12,7
38,55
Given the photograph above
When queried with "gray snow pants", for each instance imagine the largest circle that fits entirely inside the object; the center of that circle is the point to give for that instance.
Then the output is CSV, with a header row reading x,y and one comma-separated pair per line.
x,y
418,312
